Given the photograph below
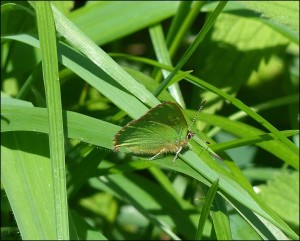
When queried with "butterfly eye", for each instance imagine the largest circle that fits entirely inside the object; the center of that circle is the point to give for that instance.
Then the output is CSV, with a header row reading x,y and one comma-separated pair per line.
x,y
190,135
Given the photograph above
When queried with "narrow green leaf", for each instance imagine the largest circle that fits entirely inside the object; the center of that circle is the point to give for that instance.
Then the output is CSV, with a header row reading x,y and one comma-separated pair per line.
x,y
206,209
47,36
220,219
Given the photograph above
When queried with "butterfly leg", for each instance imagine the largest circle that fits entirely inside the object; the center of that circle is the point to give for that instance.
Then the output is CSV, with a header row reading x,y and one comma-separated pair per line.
x,y
162,150
177,153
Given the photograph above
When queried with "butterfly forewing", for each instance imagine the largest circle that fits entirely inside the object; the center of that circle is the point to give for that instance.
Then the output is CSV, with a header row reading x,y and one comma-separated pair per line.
x,y
162,128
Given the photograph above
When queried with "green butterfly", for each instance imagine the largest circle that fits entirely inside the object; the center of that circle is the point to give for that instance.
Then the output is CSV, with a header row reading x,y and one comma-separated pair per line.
x,y
163,129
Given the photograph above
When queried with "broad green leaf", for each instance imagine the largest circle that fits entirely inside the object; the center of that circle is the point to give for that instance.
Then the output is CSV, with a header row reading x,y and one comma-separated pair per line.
x,y
283,12
283,191
235,49
25,160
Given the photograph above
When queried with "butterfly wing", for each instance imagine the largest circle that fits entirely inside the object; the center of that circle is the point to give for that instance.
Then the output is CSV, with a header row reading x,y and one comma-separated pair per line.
x,y
162,128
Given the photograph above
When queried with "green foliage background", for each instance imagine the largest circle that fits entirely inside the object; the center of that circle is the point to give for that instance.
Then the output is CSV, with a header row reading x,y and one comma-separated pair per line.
x,y
243,59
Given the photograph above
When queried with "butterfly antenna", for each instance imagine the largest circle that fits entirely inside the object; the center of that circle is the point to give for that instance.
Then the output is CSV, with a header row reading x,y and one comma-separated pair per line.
x,y
200,108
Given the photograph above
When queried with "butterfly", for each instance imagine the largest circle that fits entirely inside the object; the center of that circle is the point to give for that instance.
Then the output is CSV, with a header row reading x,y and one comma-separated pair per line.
x,y
163,129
